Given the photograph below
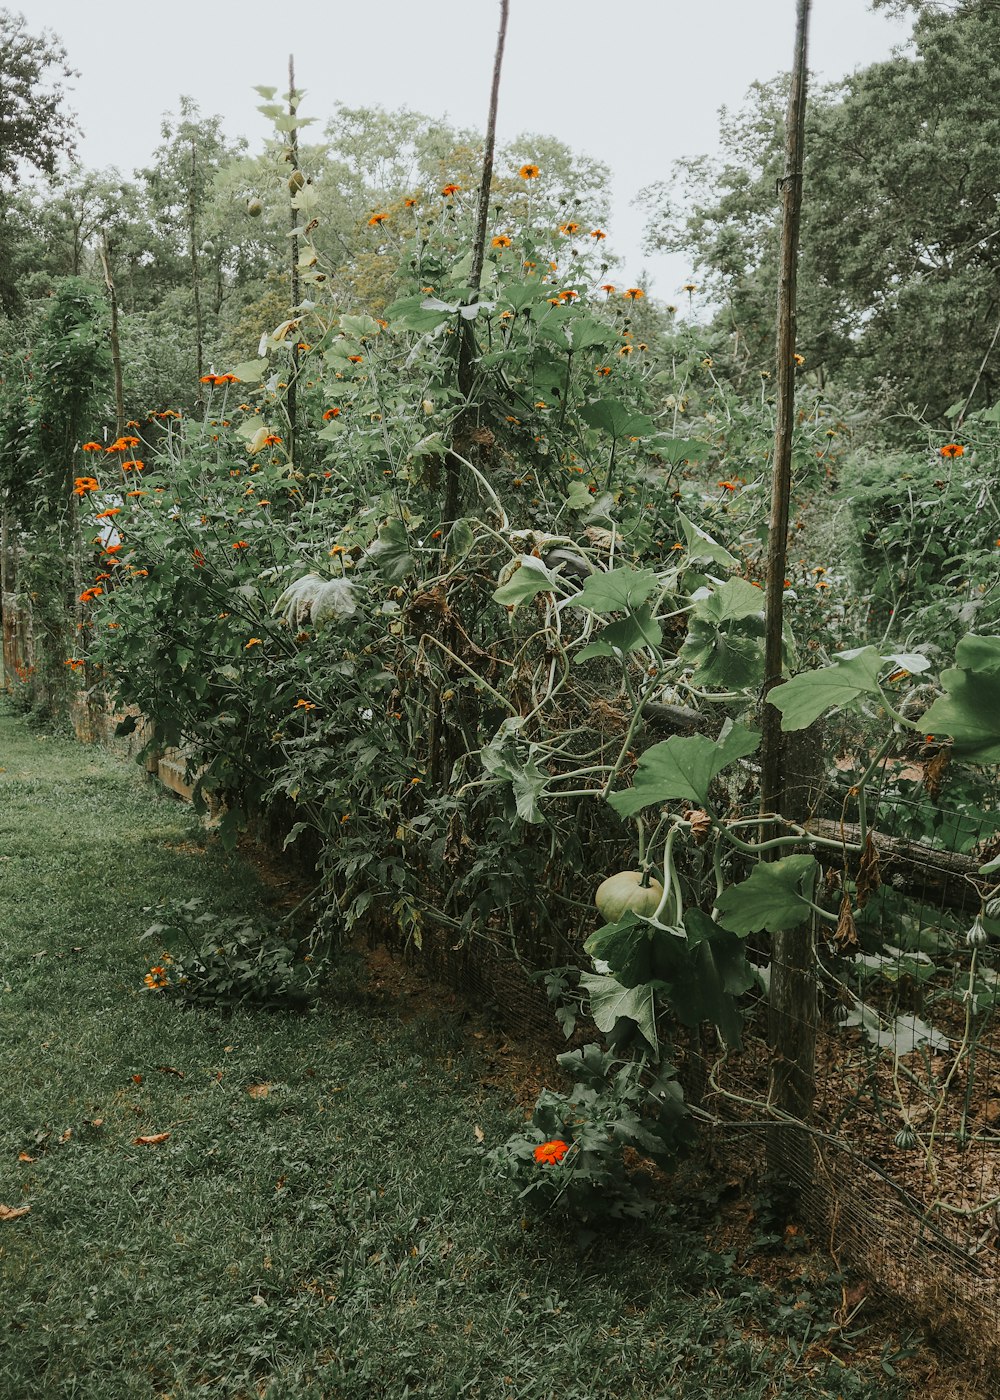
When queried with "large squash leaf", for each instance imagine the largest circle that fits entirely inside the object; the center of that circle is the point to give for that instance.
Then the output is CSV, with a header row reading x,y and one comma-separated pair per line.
x,y
682,767
773,897
969,711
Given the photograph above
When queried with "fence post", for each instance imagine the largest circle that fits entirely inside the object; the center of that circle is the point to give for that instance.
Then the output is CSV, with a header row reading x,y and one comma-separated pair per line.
x,y
793,1011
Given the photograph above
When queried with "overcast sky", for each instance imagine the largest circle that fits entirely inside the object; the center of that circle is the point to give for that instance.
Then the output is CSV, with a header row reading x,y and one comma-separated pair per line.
x,y
635,83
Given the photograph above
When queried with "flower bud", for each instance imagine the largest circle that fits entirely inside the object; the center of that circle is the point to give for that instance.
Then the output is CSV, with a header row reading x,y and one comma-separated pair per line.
x,y
977,937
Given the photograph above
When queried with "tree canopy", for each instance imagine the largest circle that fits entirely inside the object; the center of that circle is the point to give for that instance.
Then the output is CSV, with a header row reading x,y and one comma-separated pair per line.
x,y
35,125
899,238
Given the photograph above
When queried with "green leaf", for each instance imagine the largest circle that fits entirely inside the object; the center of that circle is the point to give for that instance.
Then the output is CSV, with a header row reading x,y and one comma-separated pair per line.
x,y
411,314
621,590
251,371
677,450
979,654
731,658
530,579
459,541
805,697
610,1001
639,629
636,951
702,546
614,417
682,767
721,973
772,898
527,780
969,712
391,551
734,600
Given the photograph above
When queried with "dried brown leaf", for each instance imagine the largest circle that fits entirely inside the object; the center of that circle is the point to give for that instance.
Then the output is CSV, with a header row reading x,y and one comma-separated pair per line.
x,y
845,935
151,1140
868,878
259,1091
14,1212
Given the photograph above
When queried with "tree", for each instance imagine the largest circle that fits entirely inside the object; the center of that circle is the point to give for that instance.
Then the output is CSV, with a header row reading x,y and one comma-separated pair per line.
x,y
899,236
35,127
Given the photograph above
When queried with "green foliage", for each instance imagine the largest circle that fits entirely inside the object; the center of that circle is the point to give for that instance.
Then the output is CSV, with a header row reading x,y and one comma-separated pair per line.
x,y
225,960
776,895
683,768
612,1106
879,300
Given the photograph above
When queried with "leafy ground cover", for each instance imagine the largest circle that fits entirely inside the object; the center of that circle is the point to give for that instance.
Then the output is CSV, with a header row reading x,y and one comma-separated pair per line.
x,y
314,1221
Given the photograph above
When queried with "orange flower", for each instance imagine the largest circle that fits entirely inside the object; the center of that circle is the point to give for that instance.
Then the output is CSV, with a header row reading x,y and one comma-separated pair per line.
x,y
112,549
529,172
451,189
133,466
331,413
625,349
952,449
689,287
568,229
83,484
253,642
304,705
608,287
199,558
356,359
377,219
568,295
409,201
633,293
598,233
272,440
107,514
73,662
501,241
226,379
92,447
548,1152
727,485
239,544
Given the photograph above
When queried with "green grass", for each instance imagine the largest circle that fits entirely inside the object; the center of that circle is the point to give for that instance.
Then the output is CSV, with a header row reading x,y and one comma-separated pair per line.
x,y
333,1238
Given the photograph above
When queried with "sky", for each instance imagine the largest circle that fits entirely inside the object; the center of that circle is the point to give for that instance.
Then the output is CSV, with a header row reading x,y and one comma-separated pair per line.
x,y
634,83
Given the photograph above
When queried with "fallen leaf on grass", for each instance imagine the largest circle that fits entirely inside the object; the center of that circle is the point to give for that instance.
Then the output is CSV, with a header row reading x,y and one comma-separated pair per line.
x,y
169,1069
153,1140
478,1133
259,1091
137,1079
25,1157
65,1137
13,1212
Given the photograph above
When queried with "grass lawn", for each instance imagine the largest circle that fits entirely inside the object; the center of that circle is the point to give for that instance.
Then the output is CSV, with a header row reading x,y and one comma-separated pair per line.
x,y
316,1224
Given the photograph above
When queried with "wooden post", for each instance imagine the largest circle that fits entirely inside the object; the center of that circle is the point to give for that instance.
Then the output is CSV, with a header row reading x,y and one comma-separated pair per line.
x,y
291,400
467,344
793,1009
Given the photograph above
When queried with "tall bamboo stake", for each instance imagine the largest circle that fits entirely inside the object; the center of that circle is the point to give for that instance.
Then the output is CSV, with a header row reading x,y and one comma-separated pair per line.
x,y
293,143
793,990
467,342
